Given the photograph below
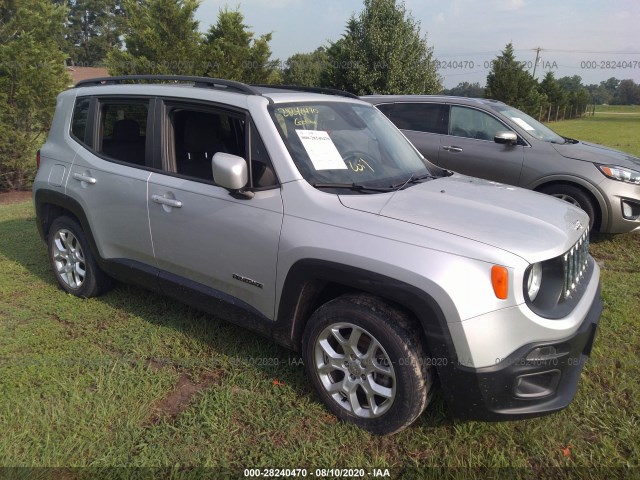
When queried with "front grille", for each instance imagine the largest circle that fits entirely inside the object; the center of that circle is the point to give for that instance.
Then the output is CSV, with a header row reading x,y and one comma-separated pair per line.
x,y
575,264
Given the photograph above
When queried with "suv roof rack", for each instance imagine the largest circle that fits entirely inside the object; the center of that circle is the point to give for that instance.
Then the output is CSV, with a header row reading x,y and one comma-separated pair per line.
x,y
202,82
326,91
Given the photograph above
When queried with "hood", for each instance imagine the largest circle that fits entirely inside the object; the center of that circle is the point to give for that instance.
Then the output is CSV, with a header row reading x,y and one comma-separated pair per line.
x,y
592,152
528,224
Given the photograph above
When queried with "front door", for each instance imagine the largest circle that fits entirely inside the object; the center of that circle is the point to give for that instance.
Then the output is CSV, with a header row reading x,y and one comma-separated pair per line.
x,y
470,148
202,234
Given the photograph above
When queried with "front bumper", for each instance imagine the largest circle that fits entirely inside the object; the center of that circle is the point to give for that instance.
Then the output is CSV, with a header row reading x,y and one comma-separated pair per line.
x,y
532,381
624,206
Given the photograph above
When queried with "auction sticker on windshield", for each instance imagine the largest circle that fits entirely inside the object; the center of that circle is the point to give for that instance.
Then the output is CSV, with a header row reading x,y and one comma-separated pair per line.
x,y
321,150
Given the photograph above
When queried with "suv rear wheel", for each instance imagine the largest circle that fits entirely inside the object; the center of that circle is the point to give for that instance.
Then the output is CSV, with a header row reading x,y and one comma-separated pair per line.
x,y
73,264
367,363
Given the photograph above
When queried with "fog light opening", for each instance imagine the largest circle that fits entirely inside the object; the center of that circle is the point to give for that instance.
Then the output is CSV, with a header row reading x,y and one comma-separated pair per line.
x,y
630,210
536,385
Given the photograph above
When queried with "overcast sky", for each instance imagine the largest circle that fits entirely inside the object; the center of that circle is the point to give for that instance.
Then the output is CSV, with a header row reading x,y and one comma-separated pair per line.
x,y
595,39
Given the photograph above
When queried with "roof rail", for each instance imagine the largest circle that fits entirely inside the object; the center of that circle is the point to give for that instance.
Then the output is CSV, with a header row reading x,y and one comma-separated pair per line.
x,y
203,82
326,91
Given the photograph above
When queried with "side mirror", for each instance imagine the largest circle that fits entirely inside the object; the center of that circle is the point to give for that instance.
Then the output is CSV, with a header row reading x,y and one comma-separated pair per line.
x,y
229,171
506,138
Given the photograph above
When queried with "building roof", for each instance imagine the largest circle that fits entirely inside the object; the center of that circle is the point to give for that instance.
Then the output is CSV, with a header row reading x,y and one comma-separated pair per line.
x,y
83,73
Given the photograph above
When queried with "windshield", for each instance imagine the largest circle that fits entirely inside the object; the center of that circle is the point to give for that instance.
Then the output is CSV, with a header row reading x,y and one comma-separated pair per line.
x,y
340,144
529,124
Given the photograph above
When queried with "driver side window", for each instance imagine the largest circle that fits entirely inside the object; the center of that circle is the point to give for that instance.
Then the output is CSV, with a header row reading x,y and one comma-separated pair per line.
x,y
472,123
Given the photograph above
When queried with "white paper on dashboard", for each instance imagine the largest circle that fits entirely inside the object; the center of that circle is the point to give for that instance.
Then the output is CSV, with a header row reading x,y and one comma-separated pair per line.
x,y
522,123
321,150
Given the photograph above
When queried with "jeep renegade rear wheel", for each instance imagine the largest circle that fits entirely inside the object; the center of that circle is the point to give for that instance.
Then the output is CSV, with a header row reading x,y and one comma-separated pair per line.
x,y
367,363
73,264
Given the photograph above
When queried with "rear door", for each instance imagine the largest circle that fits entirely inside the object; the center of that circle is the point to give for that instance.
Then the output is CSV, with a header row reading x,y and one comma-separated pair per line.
x,y
470,147
423,123
110,171
212,241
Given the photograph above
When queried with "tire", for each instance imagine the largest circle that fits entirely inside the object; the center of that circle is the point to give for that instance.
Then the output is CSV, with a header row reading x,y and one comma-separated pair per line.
x,y
575,196
383,396
73,263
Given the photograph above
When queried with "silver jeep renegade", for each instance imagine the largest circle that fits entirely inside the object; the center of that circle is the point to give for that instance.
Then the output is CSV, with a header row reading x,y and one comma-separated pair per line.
x,y
308,217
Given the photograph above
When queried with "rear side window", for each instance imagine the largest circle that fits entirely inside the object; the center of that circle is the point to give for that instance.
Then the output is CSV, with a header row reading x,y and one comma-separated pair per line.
x,y
421,117
386,108
79,120
122,130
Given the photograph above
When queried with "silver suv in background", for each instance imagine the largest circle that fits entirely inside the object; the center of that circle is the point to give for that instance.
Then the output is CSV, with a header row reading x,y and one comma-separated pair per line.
x,y
491,140
310,219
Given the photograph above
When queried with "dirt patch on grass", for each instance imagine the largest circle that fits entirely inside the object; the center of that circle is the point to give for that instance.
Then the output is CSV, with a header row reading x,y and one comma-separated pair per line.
x,y
7,198
157,364
182,395
71,330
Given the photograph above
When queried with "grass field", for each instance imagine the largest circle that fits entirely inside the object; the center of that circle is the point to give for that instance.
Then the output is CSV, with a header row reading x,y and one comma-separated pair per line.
x,y
615,127
132,379
617,109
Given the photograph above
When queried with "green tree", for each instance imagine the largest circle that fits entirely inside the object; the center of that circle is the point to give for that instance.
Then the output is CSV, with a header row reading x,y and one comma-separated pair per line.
x,y
382,52
32,73
230,51
610,86
599,94
509,82
161,37
305,69
466,89
552,90
93,29
571,84
578,96
627,93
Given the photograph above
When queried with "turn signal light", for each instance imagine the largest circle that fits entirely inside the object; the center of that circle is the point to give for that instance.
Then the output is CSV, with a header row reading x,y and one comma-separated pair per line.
x,y
500,281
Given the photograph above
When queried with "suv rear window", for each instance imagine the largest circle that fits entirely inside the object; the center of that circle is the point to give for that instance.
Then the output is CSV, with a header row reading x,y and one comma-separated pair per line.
x,y
421,117
79,120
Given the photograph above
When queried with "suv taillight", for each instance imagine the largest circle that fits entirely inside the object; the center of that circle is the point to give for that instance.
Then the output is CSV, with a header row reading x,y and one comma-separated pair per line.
x,y
38,160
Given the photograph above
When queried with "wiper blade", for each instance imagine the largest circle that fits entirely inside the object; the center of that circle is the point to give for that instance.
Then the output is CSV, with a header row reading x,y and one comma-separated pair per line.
x,y
413,179
352,186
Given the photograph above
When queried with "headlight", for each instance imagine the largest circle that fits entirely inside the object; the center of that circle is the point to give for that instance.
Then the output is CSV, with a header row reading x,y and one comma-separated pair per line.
x,y
621,174
534,280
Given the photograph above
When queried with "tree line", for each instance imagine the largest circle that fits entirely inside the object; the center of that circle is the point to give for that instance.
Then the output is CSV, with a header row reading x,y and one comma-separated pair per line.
x,y
509,82
382,51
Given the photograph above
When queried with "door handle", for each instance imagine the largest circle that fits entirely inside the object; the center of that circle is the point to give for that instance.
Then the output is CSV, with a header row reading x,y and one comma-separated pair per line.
x,y
450,148
84,178
169,202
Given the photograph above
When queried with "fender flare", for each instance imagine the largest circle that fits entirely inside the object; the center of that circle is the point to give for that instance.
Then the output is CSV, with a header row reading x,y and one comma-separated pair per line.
x,y
45,198
308,278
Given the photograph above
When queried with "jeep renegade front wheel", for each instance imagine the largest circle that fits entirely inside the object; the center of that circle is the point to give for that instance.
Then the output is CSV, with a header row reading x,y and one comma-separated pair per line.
x,y
73,264
366,361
